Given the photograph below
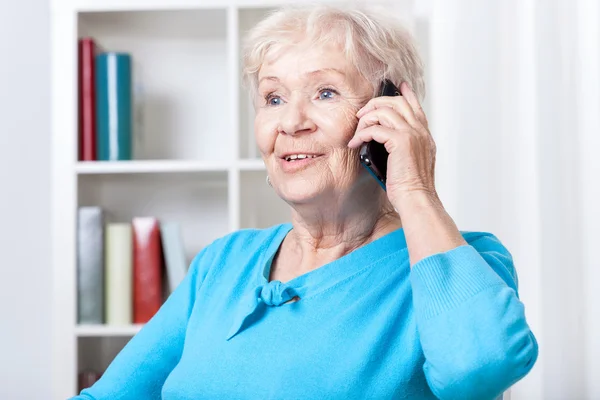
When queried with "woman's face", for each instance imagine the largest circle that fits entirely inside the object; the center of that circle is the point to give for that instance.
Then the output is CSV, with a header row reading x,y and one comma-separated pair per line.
x,y
305,116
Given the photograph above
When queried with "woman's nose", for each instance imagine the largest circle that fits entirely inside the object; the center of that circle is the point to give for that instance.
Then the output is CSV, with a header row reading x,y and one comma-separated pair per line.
x,y
295,121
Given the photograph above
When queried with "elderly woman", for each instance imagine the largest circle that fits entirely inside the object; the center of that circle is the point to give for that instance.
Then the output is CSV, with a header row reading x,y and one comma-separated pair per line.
x,y
367,293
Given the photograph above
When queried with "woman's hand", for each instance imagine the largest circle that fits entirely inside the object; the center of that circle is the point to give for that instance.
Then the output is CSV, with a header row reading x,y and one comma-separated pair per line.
x,y
399,123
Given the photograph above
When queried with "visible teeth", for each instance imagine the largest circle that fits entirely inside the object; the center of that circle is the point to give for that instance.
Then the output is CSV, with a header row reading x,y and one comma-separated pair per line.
x,y
299,157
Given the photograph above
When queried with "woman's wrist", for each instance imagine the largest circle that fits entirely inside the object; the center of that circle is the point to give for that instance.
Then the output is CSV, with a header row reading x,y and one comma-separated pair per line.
x,y
428,228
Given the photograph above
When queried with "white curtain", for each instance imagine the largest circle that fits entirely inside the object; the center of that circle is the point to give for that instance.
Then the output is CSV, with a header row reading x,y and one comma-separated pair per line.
x,y
514,106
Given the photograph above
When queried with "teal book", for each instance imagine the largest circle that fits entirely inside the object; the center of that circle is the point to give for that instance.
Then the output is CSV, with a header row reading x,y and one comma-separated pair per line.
x,y
114,106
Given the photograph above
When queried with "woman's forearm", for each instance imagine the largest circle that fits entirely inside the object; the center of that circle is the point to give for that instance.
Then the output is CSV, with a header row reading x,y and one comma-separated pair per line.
x,y
427,226
472,325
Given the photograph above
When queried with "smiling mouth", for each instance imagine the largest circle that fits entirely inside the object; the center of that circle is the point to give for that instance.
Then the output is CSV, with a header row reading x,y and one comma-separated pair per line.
x,y
298,157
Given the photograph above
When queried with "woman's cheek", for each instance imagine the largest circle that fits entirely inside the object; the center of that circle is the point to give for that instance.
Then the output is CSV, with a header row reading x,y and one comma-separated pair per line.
x,y
263,134
339,122
351,124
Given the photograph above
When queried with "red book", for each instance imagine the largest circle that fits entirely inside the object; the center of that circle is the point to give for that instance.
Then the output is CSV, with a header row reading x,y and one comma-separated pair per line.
x,y
87,99
147,269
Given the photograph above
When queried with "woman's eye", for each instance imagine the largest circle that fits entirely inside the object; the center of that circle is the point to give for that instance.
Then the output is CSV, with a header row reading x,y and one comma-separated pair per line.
x,y
273,100
327,94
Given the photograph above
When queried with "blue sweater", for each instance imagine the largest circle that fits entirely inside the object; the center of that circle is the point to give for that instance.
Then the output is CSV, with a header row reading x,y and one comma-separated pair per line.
x,y
367,326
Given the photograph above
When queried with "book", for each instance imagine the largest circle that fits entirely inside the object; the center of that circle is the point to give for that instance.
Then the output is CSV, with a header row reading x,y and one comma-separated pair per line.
x,y
119,273
87,98
147,269
87,378
114,106
174,253
90,265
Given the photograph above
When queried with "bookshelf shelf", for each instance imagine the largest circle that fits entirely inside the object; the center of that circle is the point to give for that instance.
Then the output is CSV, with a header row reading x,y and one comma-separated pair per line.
x,y
106,330
151,166
251,165
142,5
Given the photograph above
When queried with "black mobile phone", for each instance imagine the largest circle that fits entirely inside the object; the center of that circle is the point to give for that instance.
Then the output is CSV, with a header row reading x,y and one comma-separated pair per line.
x,y
373,155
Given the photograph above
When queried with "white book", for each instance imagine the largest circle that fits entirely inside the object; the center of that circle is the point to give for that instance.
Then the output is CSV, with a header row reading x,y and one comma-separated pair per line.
x,y
119,274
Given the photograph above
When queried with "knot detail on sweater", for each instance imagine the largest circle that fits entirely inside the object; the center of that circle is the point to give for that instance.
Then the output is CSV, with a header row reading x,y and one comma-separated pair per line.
x,y
274,293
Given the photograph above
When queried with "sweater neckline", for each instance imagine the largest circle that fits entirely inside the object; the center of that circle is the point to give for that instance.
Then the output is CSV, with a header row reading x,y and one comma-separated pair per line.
x,y
265,293
313,282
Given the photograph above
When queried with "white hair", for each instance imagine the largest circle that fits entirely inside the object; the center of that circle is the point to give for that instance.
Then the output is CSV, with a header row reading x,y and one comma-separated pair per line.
x,y
377,45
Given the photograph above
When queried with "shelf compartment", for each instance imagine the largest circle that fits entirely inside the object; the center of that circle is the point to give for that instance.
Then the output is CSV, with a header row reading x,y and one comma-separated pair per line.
x,y
260,207
198,201
96,353
247,18
181,103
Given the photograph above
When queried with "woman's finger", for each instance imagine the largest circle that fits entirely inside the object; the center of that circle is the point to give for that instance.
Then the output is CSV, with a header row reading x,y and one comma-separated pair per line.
x,y
379,133
396,103
385,116
414,103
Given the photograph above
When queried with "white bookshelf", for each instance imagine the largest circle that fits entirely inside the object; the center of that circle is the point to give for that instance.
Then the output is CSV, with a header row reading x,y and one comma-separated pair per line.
x,y
195,160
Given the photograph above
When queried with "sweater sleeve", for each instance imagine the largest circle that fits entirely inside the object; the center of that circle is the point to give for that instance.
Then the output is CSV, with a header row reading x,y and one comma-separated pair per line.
x,y
471,323
142,366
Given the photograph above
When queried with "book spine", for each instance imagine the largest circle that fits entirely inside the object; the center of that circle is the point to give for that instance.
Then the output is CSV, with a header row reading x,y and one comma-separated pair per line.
x,y
87,99
119,273
174,254
90,265
114,106
147,269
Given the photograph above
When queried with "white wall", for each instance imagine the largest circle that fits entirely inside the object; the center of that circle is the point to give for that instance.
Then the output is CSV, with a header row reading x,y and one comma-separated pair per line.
x,y
25,291
515,94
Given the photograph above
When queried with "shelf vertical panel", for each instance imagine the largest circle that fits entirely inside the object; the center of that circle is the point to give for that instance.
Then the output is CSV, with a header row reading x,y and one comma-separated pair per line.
x,y
63,188
233,63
